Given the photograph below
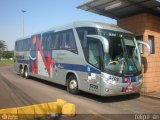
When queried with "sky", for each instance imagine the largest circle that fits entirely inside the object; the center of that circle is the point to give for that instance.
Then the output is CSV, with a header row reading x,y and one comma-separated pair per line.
x,y
40,15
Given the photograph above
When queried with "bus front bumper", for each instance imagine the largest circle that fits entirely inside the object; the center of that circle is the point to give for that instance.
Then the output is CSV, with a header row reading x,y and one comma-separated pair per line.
x,y
115,90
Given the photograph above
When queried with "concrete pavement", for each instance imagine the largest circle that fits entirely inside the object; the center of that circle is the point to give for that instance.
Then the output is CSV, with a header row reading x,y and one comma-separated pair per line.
x,y
17,91
153,95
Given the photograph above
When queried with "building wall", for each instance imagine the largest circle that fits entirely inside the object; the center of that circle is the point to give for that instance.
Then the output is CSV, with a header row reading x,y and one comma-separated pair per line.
x,y
146,24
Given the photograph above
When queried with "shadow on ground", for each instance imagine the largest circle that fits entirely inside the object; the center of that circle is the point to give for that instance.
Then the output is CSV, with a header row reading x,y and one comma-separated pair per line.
x,y
109,99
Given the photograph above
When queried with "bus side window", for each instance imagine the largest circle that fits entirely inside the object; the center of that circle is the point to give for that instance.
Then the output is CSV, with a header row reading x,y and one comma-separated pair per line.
x,y
71,40
25,45
82,36
44,41
16,46
83,32
47,40
21,45
52,41
93,53
66,41
56,41
38,38
64,45
60,41
29,43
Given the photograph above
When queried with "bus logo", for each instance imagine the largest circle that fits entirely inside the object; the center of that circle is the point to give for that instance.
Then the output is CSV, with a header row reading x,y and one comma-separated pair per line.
x,y
130,68
88,69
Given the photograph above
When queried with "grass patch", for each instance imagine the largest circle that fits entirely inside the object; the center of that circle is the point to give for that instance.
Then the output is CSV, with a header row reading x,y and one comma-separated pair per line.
x,y
6,63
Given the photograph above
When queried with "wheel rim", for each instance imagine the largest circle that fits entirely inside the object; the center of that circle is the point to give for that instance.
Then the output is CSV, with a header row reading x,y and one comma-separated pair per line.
x,y
73,84
26,73
21,71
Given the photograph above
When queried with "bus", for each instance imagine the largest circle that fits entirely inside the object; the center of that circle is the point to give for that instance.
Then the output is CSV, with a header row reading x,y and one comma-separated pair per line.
x,y
98,58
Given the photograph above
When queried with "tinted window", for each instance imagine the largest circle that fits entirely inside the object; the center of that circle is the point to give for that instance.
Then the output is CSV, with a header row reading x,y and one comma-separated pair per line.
x,y
60,40
29,44
93,53
83,32
23,45
15,47
65,40
48,40
68,40
34,40
56,41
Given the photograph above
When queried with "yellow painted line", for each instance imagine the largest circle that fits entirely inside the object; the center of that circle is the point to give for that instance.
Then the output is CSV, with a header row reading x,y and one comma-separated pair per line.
x,y
99,115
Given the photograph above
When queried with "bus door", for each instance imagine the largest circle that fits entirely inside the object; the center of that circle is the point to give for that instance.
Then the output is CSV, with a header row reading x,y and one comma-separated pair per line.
x,y
94,55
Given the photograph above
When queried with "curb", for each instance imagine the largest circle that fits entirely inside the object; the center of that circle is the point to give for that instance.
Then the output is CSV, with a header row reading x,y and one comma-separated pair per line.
x,y
38,111
151,96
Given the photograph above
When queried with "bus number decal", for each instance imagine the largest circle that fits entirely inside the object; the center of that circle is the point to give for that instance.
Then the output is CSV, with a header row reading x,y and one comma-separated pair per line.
x,y
114,78
93,86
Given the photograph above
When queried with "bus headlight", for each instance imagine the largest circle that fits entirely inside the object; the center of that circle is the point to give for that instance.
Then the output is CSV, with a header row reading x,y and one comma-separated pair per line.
x,y
111,82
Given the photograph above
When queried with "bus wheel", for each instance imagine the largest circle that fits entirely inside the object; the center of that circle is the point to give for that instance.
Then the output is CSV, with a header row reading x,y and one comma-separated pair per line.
x,y
26,75
21,71
72,85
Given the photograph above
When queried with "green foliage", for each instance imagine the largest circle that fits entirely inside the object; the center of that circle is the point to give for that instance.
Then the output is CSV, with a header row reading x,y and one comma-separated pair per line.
x,y
7,54
6,63
2,45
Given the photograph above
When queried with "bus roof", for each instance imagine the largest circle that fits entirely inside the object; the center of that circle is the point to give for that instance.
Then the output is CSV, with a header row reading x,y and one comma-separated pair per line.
x,y
100,25
83,24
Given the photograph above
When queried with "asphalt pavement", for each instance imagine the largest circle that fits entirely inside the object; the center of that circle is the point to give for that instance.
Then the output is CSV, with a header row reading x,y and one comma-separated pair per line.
x,y
16,91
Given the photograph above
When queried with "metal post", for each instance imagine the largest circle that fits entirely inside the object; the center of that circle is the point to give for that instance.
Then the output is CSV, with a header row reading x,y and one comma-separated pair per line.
x,y
23,11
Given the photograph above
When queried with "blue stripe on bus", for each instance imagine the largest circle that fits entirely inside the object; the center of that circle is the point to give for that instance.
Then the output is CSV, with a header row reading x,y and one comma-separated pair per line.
x,y
76,67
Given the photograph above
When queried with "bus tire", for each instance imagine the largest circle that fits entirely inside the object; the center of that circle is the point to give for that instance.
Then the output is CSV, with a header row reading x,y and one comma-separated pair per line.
x,y
26,74
21,71
72,85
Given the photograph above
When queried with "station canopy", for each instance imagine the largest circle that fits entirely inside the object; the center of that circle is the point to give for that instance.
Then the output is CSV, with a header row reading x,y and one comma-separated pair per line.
x,y
118,9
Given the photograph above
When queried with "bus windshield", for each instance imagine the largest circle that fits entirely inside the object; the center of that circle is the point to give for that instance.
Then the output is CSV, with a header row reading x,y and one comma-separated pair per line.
x,y
123,56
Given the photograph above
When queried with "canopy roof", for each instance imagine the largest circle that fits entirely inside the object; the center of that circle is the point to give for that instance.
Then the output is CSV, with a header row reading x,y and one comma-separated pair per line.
x,y
118,9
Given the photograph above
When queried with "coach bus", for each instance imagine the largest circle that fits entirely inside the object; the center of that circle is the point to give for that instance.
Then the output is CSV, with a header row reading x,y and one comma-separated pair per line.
x,y
94,57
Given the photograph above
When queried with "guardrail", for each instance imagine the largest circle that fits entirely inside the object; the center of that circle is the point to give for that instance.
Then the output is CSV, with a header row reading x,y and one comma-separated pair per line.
x,y
39,111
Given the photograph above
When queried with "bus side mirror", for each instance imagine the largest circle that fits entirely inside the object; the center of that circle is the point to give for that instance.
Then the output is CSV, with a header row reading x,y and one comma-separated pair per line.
x,y
147,45
103,40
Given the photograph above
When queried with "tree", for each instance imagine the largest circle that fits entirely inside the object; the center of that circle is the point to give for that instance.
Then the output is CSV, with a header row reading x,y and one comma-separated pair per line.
x,y
8,54
3,46
12,54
